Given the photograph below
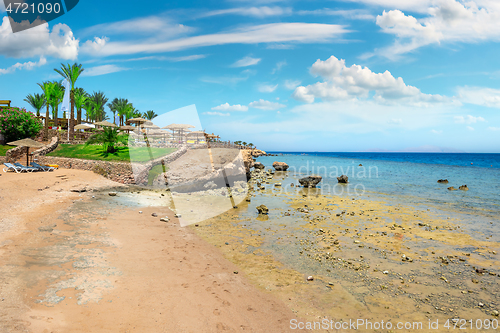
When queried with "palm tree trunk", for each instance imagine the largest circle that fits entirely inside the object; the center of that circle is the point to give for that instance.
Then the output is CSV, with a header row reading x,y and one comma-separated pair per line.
x,y
56,111
71,122
46,132
79,116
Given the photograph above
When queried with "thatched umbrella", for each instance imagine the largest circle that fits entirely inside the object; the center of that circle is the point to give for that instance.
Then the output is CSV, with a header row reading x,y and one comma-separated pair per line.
x,y
180,129
105,123
28,143
197,135
127,128
136,120
82,127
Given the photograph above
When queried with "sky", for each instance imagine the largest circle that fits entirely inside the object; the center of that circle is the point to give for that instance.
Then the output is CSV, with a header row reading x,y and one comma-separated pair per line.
x,y
352,75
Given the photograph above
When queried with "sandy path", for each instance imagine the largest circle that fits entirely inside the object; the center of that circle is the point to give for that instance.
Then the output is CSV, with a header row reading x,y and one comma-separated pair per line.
x,y
79,270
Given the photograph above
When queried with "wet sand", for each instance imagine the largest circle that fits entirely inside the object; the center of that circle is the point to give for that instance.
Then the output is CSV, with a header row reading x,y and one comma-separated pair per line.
x,y
85,262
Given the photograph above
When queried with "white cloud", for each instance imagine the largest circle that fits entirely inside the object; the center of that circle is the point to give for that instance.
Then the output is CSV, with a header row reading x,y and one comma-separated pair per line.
x,y
420,6
436,132
102,70
467,119
94,46
292,84
494,128
395,121
38,41
266,33
446,21
279,66
155,24
480,96
470,128
224,80
27,66
163,58
217,114
351,14
348,83
260,12
266,105
246,61
227,107
265,88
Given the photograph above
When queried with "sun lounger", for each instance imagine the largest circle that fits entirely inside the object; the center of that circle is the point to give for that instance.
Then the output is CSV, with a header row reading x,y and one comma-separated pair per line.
x,y
15,168
42,167
28,168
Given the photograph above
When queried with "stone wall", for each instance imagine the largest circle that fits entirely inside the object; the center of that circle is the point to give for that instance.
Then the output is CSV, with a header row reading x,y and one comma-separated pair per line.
x,y
142,170
14,154
47,148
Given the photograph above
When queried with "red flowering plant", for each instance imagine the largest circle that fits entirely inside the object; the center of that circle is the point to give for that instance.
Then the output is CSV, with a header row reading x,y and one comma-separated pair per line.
x,y
18,124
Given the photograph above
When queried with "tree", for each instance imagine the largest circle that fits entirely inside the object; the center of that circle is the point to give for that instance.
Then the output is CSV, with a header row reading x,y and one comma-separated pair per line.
x,y
108,138
150,115
37,102
113,106
18,124
57,95
80,99
122,108
244,144
250,145
47,92
71,73
98,101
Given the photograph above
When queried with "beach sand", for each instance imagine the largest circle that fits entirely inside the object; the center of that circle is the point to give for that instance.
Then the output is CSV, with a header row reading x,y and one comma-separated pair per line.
x,y
71,263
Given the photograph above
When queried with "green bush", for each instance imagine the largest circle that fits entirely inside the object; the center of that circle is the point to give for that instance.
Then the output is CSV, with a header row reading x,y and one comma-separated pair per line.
x,y
18,124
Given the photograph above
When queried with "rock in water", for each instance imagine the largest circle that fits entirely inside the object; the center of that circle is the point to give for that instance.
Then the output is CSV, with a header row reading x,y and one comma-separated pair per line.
x,y
445,181
154,215
258,165
464,188
310,181
280,166
451,188
262,209
343,179
360,164
112,194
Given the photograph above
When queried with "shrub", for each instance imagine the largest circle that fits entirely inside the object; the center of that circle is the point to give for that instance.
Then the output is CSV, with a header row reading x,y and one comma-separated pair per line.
x,y
18,124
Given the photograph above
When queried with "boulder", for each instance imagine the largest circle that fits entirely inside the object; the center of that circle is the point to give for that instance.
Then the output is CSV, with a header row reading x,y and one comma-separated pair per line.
x,y
451,188
310,181
464,188
343,179
444,181
112,194
280,166
258,165
262,209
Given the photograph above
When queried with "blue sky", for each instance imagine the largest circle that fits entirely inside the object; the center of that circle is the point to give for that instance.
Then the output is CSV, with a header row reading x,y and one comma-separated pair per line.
x,y
349,75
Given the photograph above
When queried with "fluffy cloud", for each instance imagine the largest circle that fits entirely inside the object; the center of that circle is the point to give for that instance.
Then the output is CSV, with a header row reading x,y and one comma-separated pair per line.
x,y
436,132
480,96
27,66
343,83
227,107
420,6
102,70
292,84
266,105
38,41
266,88
246,61
467,119
446,21
266,33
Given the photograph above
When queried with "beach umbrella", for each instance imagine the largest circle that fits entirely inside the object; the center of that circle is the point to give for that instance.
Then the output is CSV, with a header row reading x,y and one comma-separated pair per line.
x,y
28,143
127,128
105,123
136,120
82,127
180,128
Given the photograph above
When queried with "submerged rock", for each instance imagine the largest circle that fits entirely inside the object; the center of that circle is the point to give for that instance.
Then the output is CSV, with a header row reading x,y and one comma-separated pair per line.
x,y
464,188
343,179
310,181
445,181
280,166
451,188
112,194
262,209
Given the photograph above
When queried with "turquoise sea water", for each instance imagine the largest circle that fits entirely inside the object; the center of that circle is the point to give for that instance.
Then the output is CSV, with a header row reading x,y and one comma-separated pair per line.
x,y
405,177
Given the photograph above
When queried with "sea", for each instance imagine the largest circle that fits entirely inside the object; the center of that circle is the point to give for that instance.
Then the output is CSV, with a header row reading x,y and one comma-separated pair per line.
x,y
404,178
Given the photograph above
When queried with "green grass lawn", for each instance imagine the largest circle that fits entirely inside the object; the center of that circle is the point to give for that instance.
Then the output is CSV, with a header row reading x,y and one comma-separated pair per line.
x,y
94,152
154,172
3,149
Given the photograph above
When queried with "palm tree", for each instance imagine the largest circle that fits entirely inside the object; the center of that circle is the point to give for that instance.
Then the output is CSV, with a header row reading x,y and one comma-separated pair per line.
x,y
57,97
37,102
150,115
108,138
122,108
250,145
113,106
47,87
71,73
244,144
80,99
98,101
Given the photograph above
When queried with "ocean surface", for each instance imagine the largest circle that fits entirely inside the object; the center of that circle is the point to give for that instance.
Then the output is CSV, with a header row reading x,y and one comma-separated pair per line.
x,y
409,178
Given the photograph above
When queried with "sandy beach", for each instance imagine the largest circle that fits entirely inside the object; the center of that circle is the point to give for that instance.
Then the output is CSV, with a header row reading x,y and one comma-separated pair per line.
x,y
72,264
